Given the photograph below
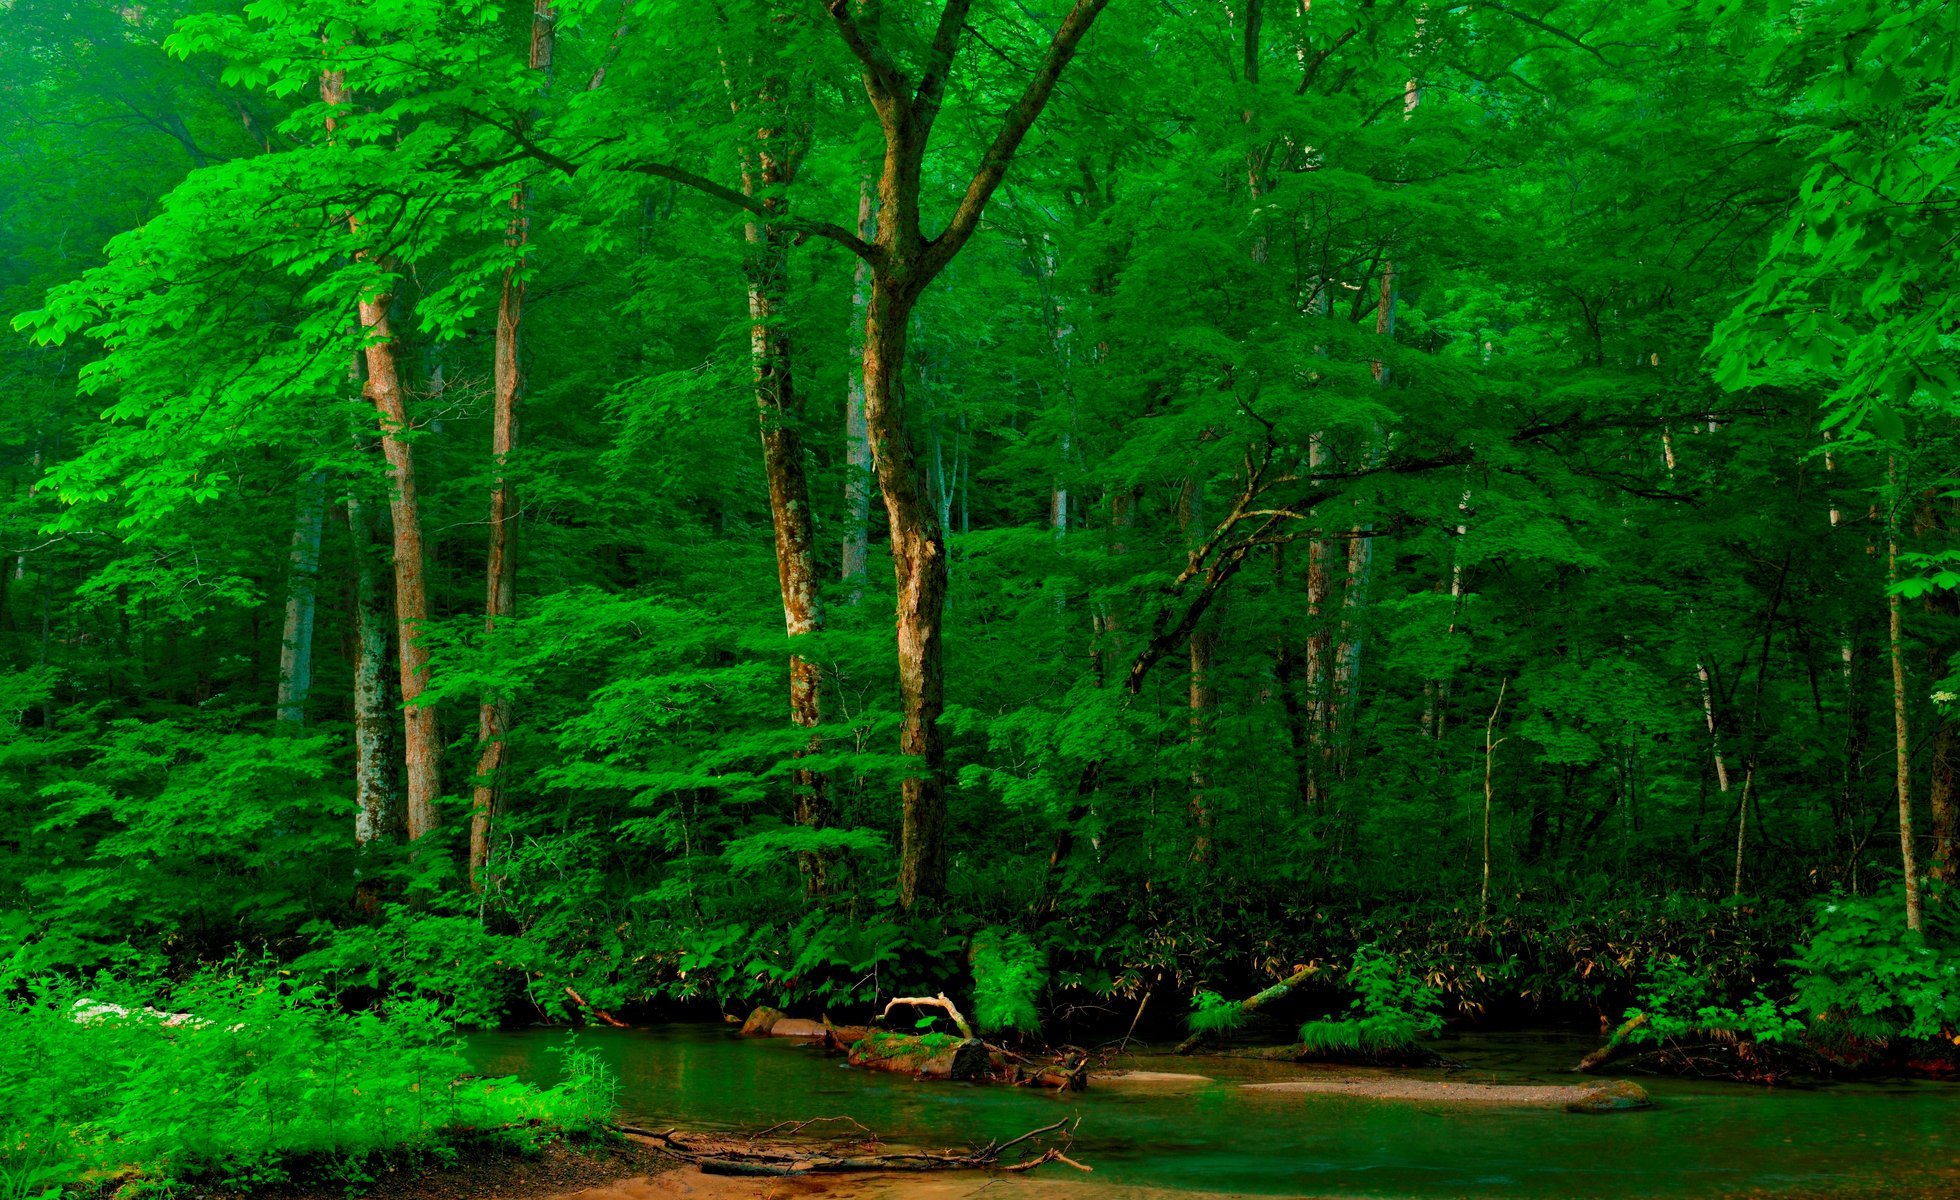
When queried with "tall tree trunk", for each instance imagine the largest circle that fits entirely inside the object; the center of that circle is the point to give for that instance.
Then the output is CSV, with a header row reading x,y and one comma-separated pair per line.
x,y
1902,742
904,262
500,590
302,594
919,564
859,481
1203,698
1320,643
376,814
422,740
1941,790
768,168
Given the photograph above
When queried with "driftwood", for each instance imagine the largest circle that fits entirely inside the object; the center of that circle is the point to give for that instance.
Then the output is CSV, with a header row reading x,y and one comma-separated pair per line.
x,y
728,1154
940,1001
1253,1003
600,1013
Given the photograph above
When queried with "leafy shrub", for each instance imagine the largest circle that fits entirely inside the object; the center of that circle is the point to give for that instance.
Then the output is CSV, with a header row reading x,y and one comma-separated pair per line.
x,y
1680,1003
1391,1012
248,1078
1866,975
1009,971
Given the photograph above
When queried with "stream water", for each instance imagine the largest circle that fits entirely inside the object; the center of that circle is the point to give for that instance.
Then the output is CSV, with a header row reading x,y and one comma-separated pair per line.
x,y
1701,1139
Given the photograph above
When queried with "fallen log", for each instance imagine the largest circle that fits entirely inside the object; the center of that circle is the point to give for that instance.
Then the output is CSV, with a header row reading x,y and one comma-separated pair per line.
x,y
931,1056
1253,1003
1615,1045
724,1154
600,1013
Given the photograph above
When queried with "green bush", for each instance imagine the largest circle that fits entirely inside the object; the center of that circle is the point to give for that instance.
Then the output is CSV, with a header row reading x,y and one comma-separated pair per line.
x,y
1392,1010
244,1080
1864,974
1679,1002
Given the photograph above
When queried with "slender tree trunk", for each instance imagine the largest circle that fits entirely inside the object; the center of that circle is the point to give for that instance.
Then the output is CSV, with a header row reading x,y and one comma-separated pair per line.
x,y
1902,743
302,593
500,590
859,480
422,740
1203,698
1491,743
919,564
1320,642
1945,865
768,169
376,814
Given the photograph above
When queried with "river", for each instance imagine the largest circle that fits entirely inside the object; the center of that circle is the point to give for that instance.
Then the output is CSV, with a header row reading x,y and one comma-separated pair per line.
x,y
1701,1139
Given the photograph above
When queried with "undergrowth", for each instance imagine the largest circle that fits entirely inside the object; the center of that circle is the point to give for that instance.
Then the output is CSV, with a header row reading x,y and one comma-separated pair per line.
x,y
247,1081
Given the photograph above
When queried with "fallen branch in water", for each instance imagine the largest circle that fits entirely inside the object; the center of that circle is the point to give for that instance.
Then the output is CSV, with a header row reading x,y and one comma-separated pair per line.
x,y
1252,1004
600,1013
1615,1046
724,1154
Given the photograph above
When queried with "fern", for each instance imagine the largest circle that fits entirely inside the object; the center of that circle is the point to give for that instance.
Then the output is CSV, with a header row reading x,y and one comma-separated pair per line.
x,y
1009,972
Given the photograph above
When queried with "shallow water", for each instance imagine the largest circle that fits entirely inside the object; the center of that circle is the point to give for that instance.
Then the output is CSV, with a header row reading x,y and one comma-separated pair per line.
x,y
1700,1139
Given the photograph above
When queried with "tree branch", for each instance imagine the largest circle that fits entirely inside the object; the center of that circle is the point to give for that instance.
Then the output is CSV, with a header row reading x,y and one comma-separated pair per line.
x,y
1014,128
882,81
939,65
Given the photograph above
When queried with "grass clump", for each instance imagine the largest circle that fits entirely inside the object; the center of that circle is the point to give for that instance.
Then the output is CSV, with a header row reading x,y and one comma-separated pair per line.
x,y
251,1082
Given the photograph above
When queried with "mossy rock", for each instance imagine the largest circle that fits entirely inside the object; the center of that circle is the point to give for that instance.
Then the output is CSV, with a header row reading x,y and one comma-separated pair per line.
x,y
1611,1095
761,1021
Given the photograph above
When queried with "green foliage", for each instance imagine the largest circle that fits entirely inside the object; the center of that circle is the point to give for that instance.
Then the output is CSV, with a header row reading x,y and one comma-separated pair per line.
x,y
243,1079
1862,976
1212,1012
1680,1004
1392,1012
1009,973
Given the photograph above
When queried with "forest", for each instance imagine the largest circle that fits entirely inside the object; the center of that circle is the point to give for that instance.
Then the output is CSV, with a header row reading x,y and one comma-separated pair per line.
x,y
1155,520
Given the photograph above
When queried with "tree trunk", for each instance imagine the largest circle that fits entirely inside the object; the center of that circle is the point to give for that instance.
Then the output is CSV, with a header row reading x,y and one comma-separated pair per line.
x,y
919,565
422,741
768,169
859,482
1945,866
500,590
904,262
375,811
302,593
1902,743
1203,697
